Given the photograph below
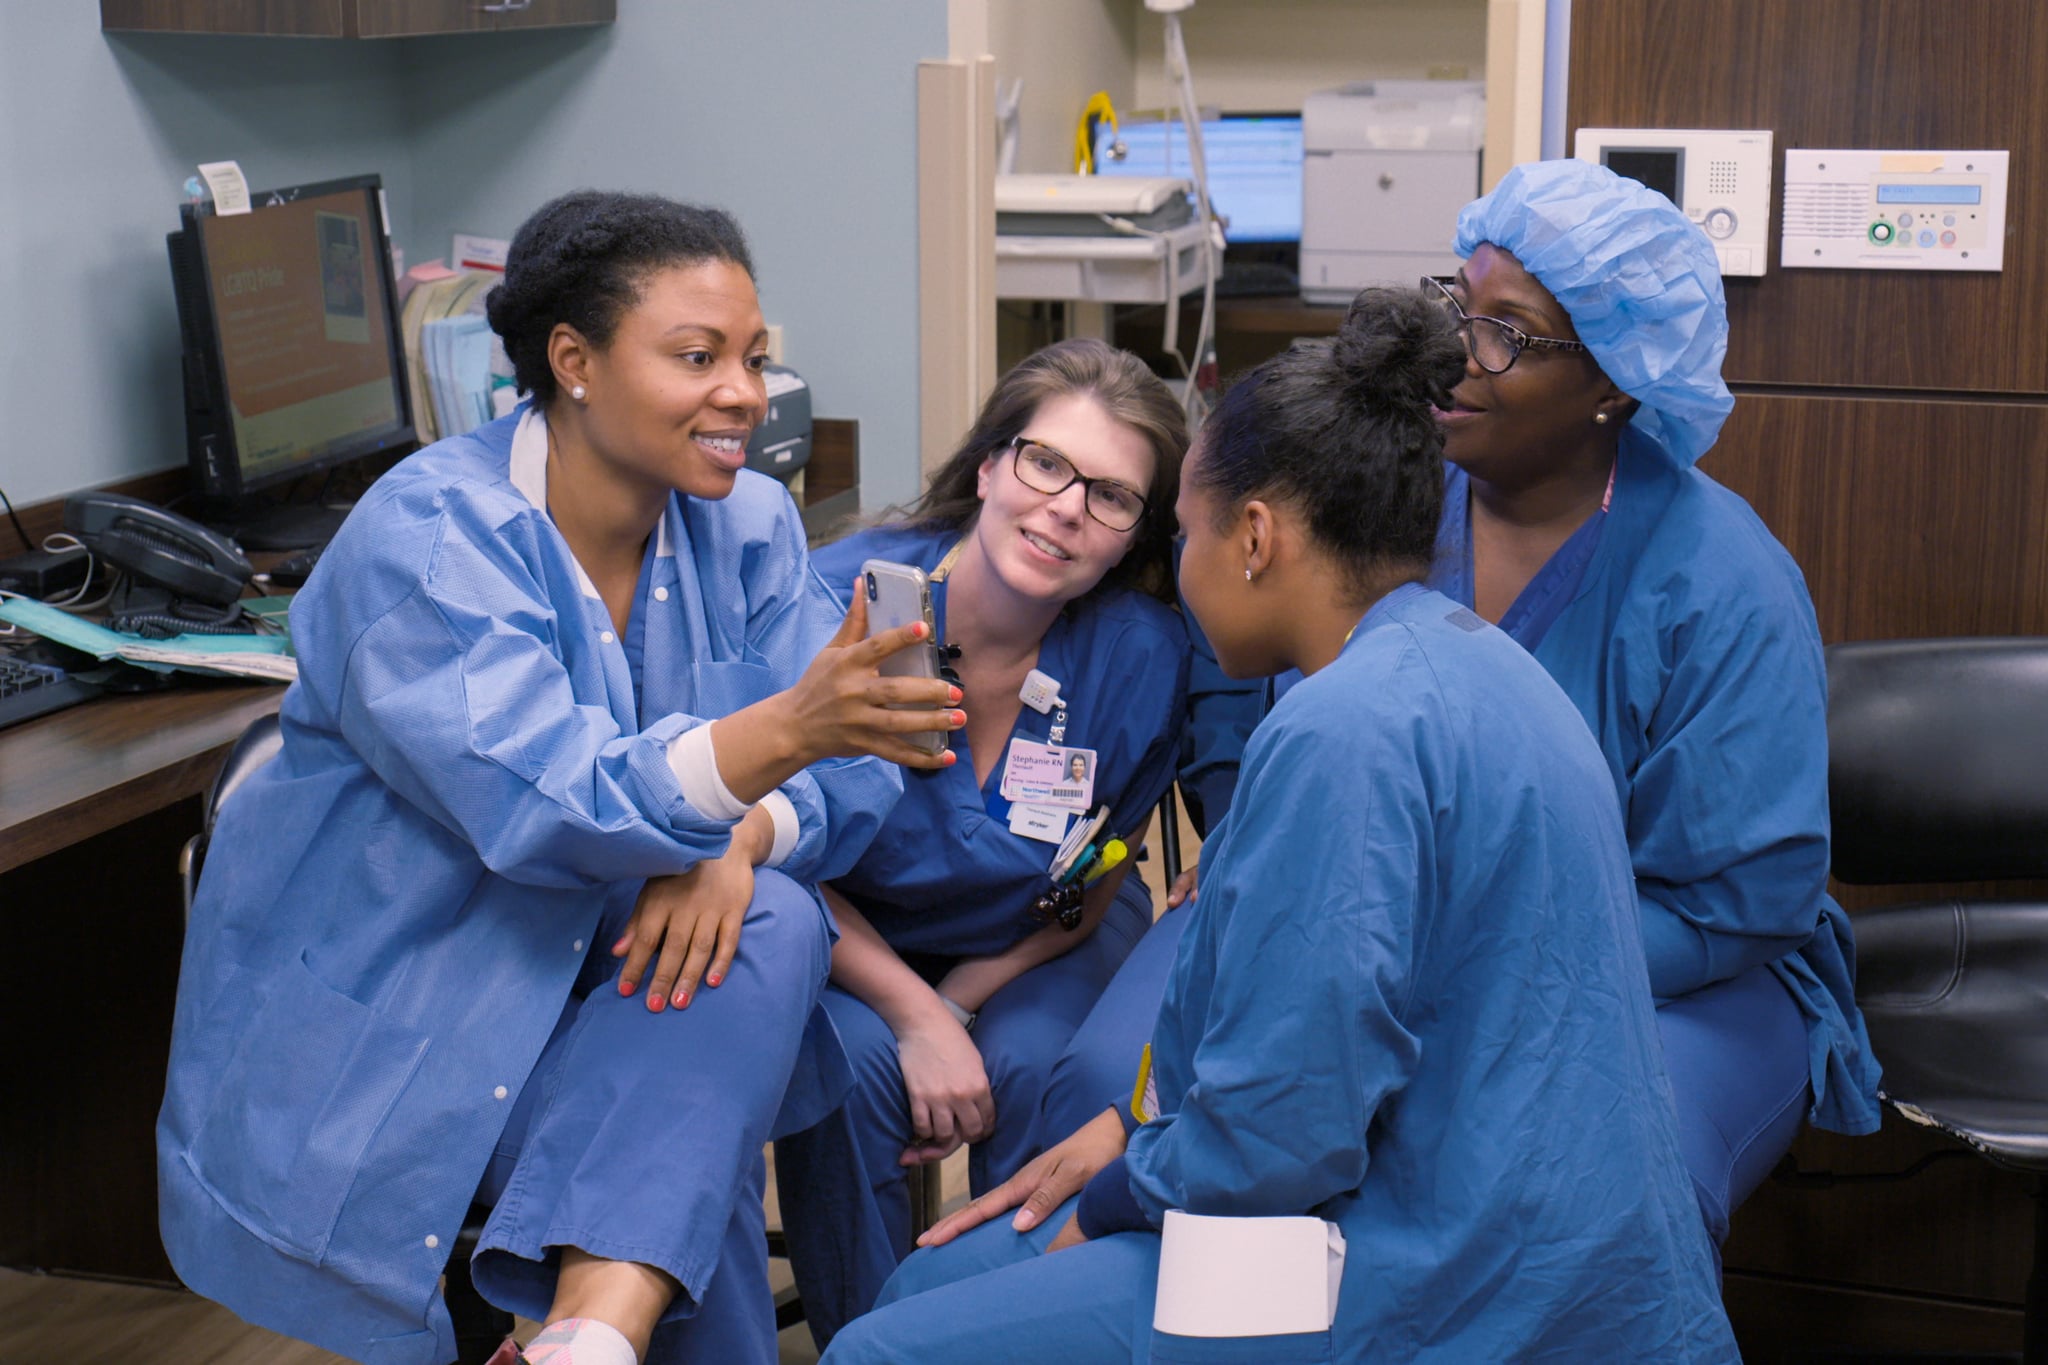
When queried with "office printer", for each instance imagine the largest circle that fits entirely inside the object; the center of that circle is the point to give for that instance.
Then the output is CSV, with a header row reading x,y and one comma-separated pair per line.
x,y
781,445
1386,167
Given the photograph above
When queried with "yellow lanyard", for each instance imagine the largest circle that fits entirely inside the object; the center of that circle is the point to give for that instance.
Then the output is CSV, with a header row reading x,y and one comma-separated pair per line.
x,y
945,567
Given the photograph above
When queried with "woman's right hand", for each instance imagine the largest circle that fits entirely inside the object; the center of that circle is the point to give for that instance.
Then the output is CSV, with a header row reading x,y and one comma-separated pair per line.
x,y
1046,1182
950,1100
842,707
1183,888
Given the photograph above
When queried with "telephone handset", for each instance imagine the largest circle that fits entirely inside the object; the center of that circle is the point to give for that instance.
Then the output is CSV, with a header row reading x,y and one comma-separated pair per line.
x,y
159,547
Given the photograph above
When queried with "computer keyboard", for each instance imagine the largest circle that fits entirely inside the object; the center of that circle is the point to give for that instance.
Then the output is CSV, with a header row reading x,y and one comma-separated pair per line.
x,y
28,690
1256,279
294,569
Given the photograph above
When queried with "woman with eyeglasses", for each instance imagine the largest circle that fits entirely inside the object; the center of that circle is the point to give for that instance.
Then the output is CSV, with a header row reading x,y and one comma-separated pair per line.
x,y
1575,518
1047,538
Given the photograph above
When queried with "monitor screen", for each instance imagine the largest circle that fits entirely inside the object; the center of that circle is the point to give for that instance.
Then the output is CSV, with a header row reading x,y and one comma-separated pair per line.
x,y
1254,168
292,350
1660,168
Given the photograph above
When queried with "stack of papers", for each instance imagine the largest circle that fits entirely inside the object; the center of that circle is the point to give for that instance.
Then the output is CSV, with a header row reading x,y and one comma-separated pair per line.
x,y
235,656
456,368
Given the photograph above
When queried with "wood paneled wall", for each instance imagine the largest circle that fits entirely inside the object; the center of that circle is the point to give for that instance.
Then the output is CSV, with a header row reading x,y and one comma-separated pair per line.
x,y
1892,429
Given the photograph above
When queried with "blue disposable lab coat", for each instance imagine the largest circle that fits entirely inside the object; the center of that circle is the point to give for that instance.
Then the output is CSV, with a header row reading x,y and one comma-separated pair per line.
x,y
1685,636
397,907
1409,1000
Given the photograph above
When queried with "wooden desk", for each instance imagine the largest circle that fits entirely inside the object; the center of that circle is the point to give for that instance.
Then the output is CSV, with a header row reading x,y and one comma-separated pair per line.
x,y
95,802
82,771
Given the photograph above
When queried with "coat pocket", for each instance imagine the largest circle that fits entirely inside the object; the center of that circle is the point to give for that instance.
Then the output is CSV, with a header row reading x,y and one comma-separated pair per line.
x,y
723,688
1290,1348
311,1081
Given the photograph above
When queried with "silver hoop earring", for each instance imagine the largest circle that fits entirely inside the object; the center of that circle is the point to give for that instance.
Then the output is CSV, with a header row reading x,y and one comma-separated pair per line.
x,y
1599,417
578,391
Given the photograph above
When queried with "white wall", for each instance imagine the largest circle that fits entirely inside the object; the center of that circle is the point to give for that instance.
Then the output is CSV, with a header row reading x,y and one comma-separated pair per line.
x,y
1253,55
1065,50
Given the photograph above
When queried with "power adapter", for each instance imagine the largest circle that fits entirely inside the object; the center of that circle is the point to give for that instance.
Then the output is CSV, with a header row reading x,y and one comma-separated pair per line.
x,y
44,574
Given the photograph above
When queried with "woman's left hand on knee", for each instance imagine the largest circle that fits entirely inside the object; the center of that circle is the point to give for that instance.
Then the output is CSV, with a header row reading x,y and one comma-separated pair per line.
x,y
692,921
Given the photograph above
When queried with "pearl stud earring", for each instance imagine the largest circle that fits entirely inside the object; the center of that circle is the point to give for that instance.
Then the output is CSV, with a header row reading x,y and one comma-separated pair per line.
x,y
578,391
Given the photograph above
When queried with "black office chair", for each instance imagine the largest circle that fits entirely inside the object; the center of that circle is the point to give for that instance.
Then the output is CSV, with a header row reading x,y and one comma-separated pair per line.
x,y
1938,772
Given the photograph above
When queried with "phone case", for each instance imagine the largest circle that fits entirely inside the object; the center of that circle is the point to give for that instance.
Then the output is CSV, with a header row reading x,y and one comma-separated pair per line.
x,y
899,594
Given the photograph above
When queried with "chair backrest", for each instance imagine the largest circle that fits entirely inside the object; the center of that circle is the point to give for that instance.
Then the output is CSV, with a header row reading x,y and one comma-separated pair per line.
x,y
1938,759
257,746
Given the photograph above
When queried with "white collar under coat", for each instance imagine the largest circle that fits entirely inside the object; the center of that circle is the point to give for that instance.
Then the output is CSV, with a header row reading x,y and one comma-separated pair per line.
x,y
530,476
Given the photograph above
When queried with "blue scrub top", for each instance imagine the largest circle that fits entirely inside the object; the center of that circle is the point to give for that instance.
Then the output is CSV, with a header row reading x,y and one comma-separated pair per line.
x,y
1371,1018
1684,634
396,908
945,875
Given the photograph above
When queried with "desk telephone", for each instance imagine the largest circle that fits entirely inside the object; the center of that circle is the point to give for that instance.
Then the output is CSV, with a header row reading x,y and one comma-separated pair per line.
x,y
159,547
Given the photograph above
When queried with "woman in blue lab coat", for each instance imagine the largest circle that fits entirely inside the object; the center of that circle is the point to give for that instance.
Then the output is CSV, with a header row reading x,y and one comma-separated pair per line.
x,y
572,731
1047,537
1576,519
1410,999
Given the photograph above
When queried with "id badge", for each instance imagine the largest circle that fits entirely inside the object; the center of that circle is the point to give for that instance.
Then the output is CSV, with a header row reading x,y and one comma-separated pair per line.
x,y
1049,775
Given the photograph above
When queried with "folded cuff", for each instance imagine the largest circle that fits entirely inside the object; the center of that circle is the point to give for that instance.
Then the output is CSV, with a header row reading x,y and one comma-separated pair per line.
x,y
695,764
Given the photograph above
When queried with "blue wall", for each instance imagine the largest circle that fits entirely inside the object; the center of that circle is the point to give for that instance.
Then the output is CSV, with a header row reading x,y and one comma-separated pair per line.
x,y
798,117
97,136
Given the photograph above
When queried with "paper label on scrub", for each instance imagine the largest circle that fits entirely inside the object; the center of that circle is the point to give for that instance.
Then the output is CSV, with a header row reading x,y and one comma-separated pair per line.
x,y
1049,775
1048,824
1247,1277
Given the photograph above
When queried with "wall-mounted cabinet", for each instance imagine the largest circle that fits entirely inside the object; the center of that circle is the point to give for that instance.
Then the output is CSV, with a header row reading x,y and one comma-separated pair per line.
x,y
348,18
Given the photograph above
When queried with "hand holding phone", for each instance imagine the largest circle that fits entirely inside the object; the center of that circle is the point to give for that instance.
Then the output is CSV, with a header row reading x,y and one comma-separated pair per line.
x,y
900,595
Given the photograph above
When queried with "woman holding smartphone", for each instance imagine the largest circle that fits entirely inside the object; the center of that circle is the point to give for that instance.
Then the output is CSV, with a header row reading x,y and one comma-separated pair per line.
x,y
572,732
1047,542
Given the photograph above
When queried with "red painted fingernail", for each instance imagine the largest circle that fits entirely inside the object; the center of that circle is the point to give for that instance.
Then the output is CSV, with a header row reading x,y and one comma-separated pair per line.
x,y
714,978
682,1000
627,987
947,759
959,717
954,694
917,630
656,1002
619,948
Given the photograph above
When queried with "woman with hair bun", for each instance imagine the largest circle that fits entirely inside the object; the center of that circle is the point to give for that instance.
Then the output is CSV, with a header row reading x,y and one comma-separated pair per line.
x,y
1411,997
576,727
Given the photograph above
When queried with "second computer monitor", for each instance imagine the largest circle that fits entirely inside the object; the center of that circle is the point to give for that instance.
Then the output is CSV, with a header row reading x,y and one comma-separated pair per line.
x,y
1254,163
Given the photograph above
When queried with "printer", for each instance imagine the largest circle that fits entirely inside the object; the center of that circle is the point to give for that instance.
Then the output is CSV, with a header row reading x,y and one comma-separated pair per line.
x,y
781,445
1386,165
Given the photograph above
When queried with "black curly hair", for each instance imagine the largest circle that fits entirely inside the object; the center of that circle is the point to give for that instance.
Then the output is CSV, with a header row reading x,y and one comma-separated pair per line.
x,y
580,260
1345,430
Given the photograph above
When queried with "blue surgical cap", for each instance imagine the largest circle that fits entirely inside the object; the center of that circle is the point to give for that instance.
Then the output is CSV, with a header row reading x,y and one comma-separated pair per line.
x,y
1641,283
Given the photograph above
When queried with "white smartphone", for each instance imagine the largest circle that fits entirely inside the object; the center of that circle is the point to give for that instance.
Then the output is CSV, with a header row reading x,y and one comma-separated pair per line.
x,y
899,594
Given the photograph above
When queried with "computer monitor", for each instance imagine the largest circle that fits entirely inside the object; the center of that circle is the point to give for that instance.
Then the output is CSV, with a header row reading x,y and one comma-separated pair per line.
x,y
293,359
1254,163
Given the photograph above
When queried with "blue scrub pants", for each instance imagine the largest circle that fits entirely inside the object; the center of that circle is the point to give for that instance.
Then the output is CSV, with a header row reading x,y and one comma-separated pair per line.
x,y
638,1136
995,1298
1735,1051
844,1194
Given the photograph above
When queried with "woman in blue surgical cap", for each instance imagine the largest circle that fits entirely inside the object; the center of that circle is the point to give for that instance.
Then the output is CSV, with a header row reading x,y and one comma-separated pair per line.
x,y
1576,519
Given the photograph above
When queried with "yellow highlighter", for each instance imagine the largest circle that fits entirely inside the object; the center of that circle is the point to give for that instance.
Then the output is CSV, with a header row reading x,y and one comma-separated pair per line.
x,y
1113,853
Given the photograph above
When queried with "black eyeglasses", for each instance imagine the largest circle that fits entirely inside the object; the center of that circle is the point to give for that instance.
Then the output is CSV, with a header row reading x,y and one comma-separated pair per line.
x,y
1495,344
1043,469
